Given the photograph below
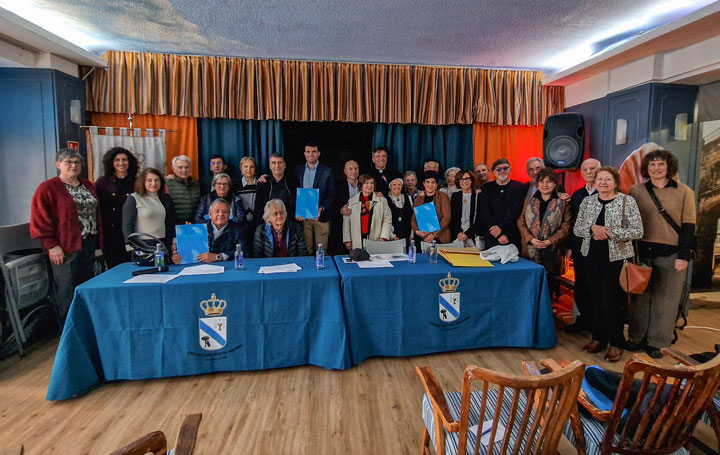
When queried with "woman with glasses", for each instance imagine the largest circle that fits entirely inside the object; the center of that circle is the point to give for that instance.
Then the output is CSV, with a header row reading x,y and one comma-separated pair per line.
x,y
501,202
65,217
113,188
370,216
464,209
279,236
221,189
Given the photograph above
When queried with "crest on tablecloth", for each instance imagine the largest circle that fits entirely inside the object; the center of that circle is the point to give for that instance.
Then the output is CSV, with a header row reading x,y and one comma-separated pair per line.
x,y
449,300
213,329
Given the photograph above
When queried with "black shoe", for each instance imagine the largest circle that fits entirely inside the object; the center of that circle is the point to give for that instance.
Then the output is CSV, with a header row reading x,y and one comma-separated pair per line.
x,y
634,347
653,352
573,328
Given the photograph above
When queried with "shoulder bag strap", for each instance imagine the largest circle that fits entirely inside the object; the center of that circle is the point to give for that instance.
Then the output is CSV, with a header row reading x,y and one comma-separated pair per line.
x,y
661,209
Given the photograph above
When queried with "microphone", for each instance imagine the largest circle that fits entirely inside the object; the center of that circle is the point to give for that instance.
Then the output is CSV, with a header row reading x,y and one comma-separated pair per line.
x,y
162,268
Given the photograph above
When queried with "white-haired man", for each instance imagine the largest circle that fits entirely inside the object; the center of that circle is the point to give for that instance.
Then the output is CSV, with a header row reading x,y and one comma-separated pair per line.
x,y
184,190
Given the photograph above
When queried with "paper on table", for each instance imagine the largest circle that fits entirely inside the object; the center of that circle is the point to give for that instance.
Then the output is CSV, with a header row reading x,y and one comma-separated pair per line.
x,y
389,257
151,278
373,264
465,260
283,268
204,269
487,429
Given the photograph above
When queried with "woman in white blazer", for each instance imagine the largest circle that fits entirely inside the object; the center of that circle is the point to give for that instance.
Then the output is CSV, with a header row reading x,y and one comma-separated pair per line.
x,y
370,216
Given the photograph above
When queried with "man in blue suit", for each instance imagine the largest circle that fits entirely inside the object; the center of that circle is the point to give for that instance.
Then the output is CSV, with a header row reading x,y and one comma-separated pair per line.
x,y
312,174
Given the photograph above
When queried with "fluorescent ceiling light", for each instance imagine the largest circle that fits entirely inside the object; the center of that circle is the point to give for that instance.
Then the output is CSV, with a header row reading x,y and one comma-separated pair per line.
x,y
57,24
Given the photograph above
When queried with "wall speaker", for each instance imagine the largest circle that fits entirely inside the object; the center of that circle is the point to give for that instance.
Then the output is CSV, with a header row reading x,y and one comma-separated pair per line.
x,y
564,141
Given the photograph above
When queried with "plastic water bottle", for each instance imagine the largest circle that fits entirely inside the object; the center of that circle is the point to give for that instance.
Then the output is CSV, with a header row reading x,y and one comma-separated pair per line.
x,y
159,258
239,257
320,257
411,253
433,252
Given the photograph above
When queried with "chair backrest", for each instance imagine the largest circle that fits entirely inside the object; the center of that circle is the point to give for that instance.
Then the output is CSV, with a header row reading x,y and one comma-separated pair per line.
x,y
16,237
154,443
377,247
669,403
455,244
533,409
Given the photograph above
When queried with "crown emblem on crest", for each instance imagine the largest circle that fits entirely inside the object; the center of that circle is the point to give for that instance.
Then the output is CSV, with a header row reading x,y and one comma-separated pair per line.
x,y
449,284
213,306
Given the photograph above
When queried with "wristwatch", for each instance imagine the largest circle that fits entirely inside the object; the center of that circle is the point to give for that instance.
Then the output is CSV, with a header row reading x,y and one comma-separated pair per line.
x,y
218,258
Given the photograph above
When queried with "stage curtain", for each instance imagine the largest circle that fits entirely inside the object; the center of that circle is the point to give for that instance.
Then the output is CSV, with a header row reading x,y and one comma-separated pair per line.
x,y
516,143
259,89
183,142
234,139
410,145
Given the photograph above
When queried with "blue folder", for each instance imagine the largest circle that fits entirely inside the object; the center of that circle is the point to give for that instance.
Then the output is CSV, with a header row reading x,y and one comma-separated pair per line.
x,y
426,217
306,204
192,240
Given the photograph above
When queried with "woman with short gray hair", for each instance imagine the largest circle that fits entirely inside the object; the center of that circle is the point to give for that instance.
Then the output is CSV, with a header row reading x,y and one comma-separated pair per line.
x,y
65,217
221,184
278,236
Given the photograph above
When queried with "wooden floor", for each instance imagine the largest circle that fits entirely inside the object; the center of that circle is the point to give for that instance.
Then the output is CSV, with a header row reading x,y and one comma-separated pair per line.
x,y
373,407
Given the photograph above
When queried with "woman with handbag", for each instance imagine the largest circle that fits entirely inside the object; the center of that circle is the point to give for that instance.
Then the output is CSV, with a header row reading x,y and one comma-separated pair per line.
x,y
544,224
607,222
667,208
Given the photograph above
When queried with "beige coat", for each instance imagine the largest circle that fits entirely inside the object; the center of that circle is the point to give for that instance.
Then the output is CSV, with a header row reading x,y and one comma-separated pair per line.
x,y
380,222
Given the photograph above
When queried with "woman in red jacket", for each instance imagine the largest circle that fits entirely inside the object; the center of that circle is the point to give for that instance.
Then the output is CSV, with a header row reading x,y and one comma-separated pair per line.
x,y
65,217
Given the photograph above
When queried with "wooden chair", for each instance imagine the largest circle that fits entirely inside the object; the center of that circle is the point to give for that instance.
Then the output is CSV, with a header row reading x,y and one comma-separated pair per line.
x,y
710,420
156,444
532,410
656,423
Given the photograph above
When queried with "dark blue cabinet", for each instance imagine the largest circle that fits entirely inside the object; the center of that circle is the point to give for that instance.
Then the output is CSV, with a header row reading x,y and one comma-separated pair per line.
x,y
622,121
34,124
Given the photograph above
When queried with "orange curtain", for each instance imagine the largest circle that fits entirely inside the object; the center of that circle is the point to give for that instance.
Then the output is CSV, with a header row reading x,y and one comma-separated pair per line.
x,y
292,90
183,142
516,143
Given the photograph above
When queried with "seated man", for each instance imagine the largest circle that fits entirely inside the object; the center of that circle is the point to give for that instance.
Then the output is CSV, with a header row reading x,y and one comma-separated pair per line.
x,y
223,235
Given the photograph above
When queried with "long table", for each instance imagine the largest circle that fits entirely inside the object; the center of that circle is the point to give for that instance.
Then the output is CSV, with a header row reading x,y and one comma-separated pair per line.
x,y
118,331
400,311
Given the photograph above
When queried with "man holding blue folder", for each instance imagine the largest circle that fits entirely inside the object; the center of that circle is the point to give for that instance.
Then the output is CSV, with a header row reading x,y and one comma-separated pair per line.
x,y
312,174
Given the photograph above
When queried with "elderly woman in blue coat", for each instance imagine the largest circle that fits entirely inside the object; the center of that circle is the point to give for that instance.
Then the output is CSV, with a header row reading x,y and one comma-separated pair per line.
x,y
278,236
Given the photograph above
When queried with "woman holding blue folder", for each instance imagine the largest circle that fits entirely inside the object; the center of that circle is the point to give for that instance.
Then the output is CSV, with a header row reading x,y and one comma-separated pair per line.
x,y
442,207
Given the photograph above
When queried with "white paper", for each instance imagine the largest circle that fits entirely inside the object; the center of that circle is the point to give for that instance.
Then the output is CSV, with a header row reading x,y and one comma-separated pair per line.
x,y
283,268
373,264
151,278
487,429
204,269
389,257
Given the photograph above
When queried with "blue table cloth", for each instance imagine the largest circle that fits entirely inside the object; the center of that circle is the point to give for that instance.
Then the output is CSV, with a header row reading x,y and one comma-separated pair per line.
x,y
398,311
138,331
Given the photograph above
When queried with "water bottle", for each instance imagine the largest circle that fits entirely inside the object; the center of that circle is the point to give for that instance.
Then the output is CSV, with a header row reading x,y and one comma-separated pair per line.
x,y
433,252
159,259
239,257
320,257
411,253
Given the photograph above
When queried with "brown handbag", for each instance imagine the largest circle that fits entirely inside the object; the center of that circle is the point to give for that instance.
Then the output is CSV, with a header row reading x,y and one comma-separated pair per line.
x,y
634,275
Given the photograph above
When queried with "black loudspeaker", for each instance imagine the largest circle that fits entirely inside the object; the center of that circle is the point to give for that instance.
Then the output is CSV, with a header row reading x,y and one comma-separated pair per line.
x,y
564,141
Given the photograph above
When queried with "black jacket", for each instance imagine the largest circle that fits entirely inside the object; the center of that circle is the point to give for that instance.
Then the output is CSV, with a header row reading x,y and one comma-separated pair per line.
x,y
401,217
325,183
264,192
263,243
476,225
233,234
380,184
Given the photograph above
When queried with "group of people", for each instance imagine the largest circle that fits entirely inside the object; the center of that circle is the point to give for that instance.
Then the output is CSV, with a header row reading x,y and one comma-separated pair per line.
x,y
596,224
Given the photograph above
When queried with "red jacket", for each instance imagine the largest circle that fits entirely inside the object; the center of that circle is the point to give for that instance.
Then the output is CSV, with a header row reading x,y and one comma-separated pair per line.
x,y
54,218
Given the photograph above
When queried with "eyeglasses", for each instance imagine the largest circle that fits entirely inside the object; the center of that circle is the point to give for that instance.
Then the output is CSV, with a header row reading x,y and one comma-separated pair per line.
x,y
221,184
72,162
464,179
502,168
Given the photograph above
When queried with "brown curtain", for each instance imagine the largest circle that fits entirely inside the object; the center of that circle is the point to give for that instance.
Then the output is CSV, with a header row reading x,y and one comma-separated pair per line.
x,y
183,142
255,89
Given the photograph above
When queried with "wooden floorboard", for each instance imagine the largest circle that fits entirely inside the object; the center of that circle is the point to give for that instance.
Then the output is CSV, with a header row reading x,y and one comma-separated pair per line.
x,y
373,407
